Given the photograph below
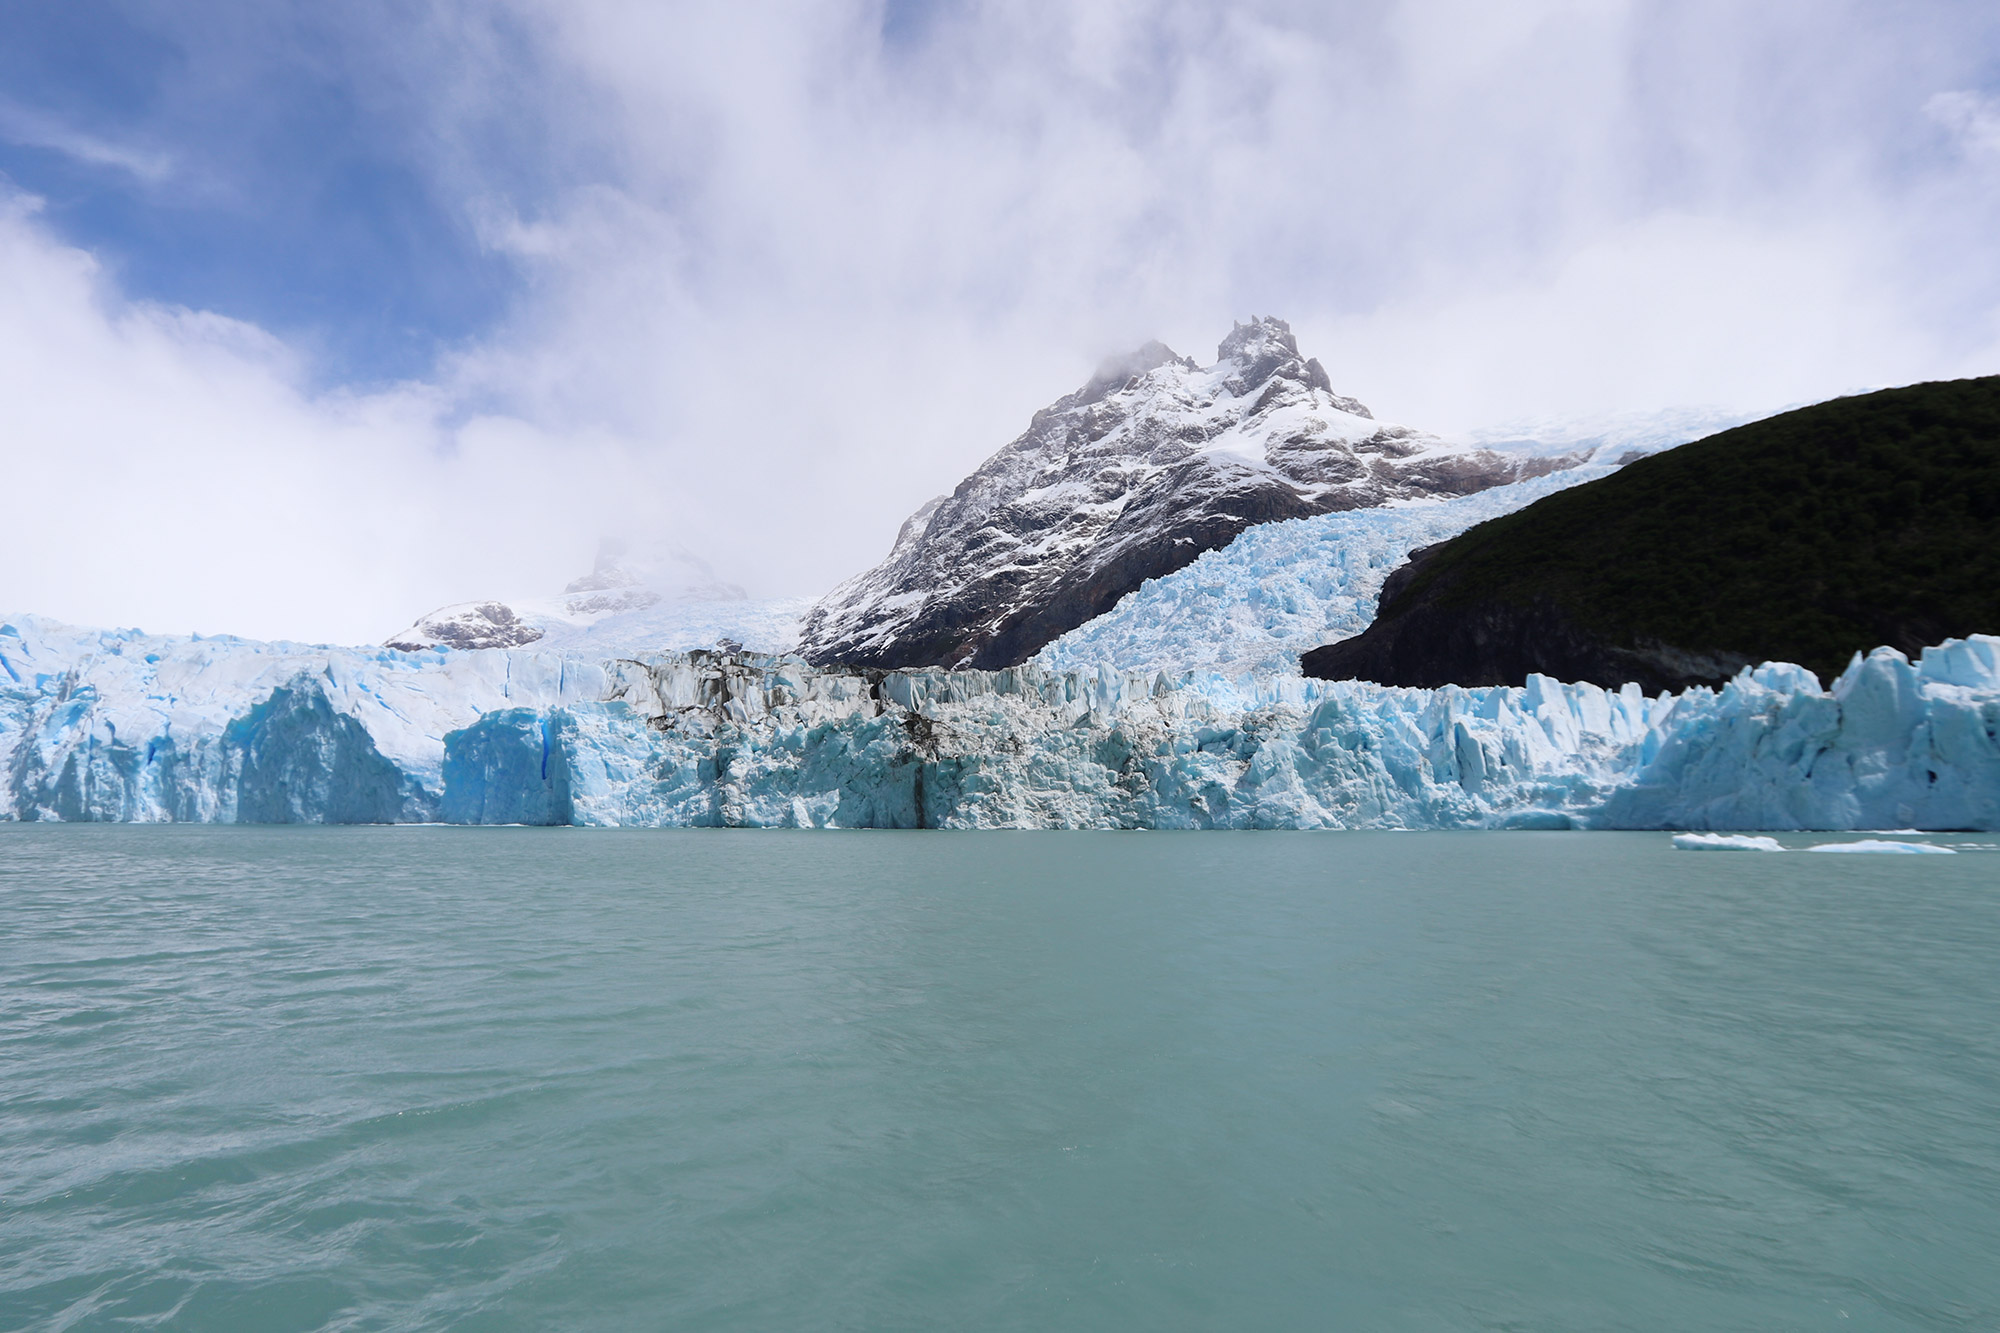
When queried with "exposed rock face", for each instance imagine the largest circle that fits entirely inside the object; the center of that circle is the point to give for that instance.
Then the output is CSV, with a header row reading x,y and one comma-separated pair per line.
x,y
469,625
1151,463
608,589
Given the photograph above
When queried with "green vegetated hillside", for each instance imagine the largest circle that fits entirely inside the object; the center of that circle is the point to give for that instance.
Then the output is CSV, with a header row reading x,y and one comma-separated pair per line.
x,y
1863,521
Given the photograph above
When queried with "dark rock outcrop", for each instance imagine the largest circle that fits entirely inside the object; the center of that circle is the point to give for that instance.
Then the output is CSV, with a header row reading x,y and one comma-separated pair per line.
x,y
1430,641
1803,538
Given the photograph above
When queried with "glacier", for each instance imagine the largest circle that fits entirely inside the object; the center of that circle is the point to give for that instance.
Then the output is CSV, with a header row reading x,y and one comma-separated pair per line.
x,y
122,725
1283,588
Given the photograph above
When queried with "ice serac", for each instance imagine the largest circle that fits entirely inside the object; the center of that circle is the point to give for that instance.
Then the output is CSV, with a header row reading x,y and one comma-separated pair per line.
x,y
1151,463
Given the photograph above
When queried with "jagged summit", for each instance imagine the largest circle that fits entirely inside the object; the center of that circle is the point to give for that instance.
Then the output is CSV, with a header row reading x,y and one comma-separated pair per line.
x,y
1153,461
1266,350
1118,372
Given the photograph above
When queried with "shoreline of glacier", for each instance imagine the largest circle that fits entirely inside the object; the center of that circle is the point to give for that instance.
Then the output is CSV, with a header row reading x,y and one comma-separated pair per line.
x,y
119,725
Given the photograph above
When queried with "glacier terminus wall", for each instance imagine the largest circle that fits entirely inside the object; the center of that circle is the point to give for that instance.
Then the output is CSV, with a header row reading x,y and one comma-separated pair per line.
x,y
118,725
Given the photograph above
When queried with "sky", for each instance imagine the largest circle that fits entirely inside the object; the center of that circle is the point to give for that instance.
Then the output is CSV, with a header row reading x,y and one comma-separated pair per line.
x,y
314,318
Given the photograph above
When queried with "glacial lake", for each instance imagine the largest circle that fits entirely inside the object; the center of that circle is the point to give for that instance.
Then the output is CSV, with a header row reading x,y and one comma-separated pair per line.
x,y
478,1079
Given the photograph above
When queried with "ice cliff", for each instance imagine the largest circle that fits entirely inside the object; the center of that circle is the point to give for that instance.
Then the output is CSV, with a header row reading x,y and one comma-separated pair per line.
x,y
122,725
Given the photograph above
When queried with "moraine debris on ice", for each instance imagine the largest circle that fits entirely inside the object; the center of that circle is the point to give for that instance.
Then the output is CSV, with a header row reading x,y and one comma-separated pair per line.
x,y
121,725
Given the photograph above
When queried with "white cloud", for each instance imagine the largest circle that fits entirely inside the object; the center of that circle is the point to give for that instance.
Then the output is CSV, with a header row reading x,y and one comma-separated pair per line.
x,y
1665,311
810,277
1974,119
1480,212
37,129
163,468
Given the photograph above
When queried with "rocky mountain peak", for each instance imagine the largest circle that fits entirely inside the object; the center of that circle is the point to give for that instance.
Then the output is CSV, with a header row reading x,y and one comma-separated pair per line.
x,y
1152,462
1118,372
1264,336
467,626
1264,350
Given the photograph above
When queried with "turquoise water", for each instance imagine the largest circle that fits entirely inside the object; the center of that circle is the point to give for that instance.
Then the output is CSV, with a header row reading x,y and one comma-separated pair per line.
x,y
416,1078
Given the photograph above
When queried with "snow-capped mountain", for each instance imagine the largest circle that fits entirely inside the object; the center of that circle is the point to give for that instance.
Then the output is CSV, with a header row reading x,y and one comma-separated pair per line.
x,y
664,600
1151,463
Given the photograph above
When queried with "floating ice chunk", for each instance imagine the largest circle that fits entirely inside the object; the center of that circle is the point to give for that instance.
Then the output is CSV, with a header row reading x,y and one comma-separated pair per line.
x,y
1882,846
1724,842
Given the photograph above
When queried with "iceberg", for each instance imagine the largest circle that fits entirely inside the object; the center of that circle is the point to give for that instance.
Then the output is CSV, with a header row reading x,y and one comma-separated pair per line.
x,y
1880,846
121,725
1725,842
